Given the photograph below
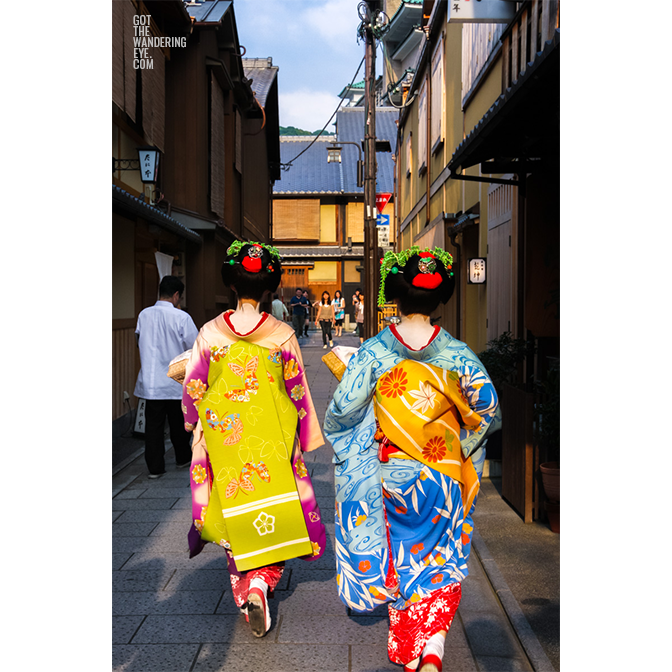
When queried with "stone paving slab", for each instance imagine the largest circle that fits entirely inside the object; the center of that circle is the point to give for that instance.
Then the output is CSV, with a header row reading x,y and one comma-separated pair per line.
x,y
166,602
145,560
490,634
120,559
285,657
161,658
202,579
166,492
140,529
124,627
141,580
185,629
161,504
495,664
152,515
313,599
294,628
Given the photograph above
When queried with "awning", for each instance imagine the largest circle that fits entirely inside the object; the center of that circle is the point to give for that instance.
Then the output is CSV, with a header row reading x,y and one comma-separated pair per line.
x,y
524,123
129,204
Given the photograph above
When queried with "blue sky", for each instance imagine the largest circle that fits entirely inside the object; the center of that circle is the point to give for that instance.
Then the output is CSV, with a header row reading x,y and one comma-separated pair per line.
x,y
314,43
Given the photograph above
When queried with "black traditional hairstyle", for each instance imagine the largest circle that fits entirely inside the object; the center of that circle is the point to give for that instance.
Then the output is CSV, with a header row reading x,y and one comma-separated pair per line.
x,y
400,271
251,284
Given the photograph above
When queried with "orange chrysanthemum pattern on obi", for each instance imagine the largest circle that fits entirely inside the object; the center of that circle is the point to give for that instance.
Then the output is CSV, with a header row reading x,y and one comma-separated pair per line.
x,y
435,449
393,384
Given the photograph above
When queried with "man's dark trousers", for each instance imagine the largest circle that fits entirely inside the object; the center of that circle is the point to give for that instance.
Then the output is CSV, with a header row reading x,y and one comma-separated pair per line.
x,y
297,323
156,411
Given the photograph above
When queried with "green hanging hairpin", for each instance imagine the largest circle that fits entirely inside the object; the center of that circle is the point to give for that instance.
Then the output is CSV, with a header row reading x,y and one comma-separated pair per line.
x,y
237,245
393,261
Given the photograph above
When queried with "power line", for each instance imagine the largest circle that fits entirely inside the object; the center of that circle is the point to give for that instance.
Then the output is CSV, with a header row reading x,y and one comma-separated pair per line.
x,y
288,165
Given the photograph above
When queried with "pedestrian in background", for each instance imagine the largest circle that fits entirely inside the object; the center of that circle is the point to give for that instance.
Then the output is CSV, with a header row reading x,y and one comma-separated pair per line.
x,y
355,303
359,317
325,318
307,322
298,306
163,332
279,309
339,312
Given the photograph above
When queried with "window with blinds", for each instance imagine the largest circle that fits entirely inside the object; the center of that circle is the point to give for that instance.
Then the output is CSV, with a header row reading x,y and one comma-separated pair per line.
x,y
296,219
438,90
217,164
324,271
354,222
328,224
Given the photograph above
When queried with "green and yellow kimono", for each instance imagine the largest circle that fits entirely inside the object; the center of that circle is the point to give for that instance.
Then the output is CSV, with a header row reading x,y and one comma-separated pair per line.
x,y
247,401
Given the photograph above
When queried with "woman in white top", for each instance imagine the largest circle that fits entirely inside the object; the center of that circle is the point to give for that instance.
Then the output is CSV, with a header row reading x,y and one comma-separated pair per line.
x,y
325,318
339,311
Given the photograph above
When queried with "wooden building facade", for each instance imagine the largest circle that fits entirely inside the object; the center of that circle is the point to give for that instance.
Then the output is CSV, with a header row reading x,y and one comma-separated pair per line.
x,y
214,116
478,174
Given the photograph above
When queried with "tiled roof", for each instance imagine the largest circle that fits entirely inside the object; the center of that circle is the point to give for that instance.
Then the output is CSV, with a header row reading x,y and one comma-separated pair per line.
x,y
210,11
321,251
262,72
310,173
131,204
350,126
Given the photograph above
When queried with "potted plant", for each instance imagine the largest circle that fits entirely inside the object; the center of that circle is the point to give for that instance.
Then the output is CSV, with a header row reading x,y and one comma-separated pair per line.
x,y
548,424
501,358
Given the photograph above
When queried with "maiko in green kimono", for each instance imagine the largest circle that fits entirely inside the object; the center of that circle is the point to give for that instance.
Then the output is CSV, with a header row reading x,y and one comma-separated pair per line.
x,y
247,400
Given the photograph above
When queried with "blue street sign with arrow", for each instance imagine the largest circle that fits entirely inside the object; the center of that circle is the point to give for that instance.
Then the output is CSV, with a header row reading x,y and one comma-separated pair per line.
x,y
383,220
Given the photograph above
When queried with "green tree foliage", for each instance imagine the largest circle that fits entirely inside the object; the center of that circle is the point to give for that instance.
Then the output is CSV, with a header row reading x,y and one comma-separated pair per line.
x,y
292,130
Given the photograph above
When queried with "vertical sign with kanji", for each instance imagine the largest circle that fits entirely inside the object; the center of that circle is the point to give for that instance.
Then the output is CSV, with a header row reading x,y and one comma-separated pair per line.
x,y
480,11
476,271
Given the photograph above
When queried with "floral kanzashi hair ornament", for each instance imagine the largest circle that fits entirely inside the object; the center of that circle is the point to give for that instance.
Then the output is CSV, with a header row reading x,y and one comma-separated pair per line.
x,y
252,262
428,278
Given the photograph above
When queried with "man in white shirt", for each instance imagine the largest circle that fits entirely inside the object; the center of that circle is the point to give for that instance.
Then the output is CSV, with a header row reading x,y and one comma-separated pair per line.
x,y
163,332
279,309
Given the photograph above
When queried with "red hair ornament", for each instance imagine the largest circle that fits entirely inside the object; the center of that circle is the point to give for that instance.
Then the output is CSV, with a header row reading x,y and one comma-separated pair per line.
x,y
252,262
427,278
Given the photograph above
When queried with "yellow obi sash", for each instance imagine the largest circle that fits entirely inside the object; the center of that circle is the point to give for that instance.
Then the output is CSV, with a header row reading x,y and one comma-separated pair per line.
x,y
421,409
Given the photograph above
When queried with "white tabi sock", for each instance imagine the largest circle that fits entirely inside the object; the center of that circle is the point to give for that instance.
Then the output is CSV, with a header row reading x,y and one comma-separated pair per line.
x,y
261,584
435,645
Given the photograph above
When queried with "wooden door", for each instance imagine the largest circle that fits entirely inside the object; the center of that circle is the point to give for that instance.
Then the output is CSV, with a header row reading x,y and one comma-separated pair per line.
x,y
520,455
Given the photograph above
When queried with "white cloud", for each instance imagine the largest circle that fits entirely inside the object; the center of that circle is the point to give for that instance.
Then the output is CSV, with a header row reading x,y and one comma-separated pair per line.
x,y
307,109
336,22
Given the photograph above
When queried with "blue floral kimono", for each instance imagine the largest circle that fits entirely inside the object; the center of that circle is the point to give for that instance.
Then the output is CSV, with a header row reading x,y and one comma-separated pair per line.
x,y
402,535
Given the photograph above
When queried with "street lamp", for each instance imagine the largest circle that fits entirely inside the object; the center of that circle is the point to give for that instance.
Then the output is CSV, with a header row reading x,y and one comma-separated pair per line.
x,y
334,156
147,163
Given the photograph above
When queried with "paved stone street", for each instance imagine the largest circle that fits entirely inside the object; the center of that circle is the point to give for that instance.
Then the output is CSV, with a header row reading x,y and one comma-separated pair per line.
x,y
171,613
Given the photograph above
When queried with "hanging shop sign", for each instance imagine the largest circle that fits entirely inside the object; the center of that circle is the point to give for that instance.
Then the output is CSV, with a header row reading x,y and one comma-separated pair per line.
x,y
382,200
476,271
481,11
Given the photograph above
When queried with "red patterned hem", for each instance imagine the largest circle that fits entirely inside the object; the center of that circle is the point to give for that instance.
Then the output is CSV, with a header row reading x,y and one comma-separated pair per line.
x,y
240,581
411,628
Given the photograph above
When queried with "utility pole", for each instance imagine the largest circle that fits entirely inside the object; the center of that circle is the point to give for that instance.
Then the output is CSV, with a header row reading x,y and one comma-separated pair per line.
x,y
371,262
